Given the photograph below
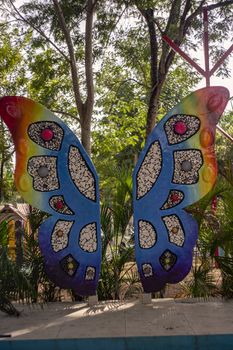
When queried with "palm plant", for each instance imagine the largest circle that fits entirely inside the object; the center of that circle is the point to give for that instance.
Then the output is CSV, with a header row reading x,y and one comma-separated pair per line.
x,y
117,250
14,284
215,230
27,282
201,283
215,227
33,263
224,240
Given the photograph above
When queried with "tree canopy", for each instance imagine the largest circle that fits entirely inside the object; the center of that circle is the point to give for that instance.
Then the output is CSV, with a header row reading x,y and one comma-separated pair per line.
x,y
103,66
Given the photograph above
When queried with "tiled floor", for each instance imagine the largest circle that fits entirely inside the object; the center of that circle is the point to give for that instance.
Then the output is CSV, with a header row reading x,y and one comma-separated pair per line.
x,y
120,319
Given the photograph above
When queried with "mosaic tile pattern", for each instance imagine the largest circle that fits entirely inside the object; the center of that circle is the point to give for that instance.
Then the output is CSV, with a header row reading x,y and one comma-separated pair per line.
x,y
168,260
43,169
174,198
37,133
147,234
90,273
88,238
69,265
60,235
59,205
180,127
149,170
186,166
175,230
81,174
147,270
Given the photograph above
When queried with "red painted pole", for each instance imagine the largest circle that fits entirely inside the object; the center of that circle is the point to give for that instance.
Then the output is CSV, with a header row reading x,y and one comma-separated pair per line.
x,y
177,49
225,133
220,61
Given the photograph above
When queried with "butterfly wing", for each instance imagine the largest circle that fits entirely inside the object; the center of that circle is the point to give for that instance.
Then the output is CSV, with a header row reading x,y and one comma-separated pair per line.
x,y
176,168
54,174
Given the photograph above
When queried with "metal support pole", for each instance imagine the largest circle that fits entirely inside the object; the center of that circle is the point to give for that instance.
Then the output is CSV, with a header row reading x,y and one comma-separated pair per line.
x,y
221,60
225,133
177,49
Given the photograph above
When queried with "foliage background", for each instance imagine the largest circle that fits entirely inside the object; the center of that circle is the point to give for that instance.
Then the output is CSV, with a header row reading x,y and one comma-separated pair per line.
x,y
129,61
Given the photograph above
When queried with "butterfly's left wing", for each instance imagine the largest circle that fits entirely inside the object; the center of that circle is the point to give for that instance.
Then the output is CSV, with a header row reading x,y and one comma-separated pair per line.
x,y
176,168
55,174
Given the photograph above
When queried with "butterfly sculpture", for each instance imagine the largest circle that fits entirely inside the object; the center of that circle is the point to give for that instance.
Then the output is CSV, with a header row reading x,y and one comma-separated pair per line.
x,y
176,168
54,174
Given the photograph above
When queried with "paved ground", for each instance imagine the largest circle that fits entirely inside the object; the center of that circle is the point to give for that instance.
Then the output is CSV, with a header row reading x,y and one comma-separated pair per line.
x,y
120,319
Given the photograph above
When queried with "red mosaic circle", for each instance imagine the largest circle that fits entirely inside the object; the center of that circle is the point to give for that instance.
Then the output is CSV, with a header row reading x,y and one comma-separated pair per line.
x,y
174,197
59,204
47,134
180,127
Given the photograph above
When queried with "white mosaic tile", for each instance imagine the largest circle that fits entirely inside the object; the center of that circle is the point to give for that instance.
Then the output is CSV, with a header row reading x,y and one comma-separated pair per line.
x,y
60,235
90,273
147,270
175,231
88,238
149,170
186,166
147,234
81,174
41,181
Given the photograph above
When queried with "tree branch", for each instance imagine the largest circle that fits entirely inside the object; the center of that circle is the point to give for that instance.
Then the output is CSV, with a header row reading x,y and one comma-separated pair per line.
x,y
173,19
187,7
157,25
149,16
38,30
193,15
67,114
74,71
89,56
220,4
174,16
115,25
3,24
186,22
183,28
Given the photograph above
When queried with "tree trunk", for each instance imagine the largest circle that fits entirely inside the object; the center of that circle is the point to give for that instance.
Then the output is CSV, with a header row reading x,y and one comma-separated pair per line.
x,y
85,109
86,133
176,27
153,108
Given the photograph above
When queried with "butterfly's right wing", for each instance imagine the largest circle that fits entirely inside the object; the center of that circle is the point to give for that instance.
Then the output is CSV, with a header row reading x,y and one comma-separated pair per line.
x,y
176,168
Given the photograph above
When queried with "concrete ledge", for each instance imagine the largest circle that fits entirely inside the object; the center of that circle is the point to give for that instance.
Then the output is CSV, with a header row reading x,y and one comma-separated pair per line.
x,y
92,300
202,342
146,298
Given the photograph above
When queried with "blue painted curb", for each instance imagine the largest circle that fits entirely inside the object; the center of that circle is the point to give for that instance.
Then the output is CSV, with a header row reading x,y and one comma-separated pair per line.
x,y
199,342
